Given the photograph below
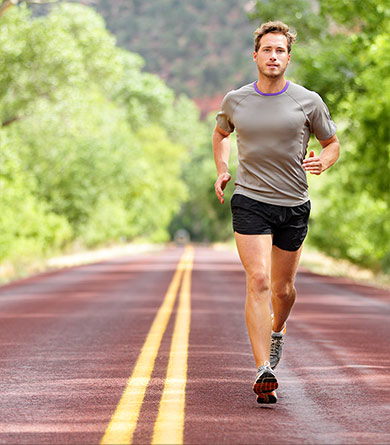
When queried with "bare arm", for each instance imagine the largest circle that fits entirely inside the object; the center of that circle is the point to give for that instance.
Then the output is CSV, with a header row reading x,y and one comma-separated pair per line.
x,y
328,156
221,150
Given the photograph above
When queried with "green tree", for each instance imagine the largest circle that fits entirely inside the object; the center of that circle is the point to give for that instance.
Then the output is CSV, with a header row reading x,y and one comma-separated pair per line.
x,y
27,226
160,189
96,150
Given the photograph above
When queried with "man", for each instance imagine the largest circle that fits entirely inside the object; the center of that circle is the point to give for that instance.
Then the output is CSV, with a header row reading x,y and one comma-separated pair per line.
x,y
273,119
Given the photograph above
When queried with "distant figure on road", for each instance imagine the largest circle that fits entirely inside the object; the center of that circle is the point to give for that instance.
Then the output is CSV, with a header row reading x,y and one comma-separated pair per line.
x,y
273,119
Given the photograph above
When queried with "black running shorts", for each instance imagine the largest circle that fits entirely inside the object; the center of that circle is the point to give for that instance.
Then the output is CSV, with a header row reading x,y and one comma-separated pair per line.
x,y
288,225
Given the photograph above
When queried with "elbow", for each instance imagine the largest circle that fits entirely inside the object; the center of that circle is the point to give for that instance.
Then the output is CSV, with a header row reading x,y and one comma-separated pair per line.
x,y
222,134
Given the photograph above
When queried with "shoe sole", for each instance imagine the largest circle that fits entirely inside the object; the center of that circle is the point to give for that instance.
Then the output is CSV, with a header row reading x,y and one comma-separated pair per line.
x,y
266,383
267,398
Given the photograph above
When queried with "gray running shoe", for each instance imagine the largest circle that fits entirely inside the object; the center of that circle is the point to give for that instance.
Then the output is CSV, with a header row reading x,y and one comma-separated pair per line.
x,y
265,381
277,343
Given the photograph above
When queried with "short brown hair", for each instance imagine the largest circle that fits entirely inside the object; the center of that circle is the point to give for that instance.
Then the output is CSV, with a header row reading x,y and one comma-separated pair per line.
x,y
277,28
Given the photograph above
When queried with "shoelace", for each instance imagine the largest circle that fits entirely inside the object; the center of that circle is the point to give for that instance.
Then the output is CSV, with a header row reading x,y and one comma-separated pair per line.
x,y
275,345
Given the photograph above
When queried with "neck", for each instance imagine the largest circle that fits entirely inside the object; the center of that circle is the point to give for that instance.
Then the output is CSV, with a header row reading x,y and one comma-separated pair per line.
x,y
269,85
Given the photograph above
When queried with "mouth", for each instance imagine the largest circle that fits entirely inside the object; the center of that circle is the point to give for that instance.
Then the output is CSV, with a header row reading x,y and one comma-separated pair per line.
x,y
272,65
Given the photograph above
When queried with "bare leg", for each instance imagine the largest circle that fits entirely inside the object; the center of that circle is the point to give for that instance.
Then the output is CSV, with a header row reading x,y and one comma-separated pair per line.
x,y
255,254
283,270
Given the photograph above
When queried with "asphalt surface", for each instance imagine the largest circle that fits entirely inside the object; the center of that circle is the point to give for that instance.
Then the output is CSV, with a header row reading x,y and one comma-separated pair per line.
x,y
71,342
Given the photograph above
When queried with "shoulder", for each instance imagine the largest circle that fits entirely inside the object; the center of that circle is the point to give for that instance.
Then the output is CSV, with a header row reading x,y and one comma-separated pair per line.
x,y
305,97
300,92
234,97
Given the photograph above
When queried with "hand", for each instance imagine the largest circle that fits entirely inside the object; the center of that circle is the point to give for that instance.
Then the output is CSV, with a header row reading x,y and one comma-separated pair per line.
x,y
220,185
313,164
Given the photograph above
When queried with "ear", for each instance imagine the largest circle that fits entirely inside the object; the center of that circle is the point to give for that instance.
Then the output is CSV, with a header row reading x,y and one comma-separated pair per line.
x,y
254,56
289,58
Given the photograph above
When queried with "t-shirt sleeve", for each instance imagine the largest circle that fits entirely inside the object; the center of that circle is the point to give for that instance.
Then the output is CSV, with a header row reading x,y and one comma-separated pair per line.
x,y
224,116
322,124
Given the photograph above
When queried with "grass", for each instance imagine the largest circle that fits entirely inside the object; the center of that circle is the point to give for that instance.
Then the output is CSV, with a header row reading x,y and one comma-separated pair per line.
x,y
322,264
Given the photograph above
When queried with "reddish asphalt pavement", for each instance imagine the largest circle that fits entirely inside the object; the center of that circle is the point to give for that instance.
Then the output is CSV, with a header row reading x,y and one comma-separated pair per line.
x,y
70,340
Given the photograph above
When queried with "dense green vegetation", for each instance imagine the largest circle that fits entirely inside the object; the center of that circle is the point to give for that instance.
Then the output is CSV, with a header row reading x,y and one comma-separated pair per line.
x,y
91,147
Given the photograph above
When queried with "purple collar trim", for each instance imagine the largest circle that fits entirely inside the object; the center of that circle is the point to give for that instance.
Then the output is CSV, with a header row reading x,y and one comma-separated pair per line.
x,y
271,94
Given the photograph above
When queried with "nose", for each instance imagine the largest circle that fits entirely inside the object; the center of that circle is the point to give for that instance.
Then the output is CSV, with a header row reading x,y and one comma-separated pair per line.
x,y
273,55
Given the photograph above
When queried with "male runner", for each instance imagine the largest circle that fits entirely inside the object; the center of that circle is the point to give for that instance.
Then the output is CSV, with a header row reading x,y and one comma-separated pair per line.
x,y
273,119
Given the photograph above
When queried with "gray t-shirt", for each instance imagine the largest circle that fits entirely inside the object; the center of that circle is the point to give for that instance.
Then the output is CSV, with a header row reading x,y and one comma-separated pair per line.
x,y
273,132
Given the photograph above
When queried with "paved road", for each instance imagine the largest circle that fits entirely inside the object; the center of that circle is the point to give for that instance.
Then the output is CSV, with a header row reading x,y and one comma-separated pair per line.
x,y
153,349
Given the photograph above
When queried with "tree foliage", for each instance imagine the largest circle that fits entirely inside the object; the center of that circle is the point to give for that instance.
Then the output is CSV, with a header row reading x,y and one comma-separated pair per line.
x,y
27,226
89,143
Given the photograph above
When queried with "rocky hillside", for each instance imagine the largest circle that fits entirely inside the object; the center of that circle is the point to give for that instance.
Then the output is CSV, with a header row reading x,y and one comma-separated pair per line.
x,y
199,47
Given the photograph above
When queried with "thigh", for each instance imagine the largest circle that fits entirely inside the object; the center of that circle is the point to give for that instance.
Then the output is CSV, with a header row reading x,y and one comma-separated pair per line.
x,y
255,252
284,265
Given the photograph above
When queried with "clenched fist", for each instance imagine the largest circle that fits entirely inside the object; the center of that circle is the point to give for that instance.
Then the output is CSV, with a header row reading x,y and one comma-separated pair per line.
x,y
313,164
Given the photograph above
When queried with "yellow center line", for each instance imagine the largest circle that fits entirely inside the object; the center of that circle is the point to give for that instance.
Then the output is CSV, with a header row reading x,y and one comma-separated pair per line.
x,y
169,425
124,420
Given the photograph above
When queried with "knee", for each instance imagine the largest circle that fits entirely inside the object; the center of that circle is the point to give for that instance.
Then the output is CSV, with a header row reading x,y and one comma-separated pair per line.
x,y
258,283
284,293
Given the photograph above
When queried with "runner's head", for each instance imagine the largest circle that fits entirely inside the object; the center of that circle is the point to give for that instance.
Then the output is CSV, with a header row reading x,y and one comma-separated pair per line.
x,y
275,28
273,42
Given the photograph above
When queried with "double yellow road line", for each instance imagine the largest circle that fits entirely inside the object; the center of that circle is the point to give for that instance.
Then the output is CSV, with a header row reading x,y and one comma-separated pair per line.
x,y
169,425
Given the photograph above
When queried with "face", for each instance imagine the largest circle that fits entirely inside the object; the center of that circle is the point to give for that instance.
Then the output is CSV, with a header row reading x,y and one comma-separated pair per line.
x,y
272,57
